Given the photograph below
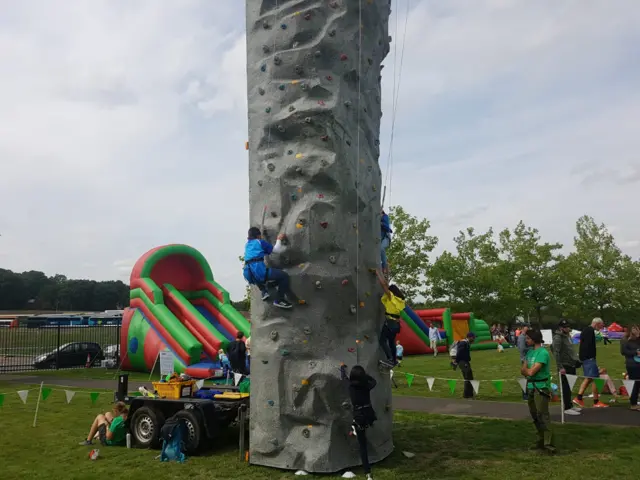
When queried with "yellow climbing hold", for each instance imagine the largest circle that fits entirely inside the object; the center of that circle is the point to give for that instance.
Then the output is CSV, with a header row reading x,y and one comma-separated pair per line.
x,y
299,189
295,14
361,304
299,155
302,302
299,225
305,382
368,294
357,341
295,82
301,265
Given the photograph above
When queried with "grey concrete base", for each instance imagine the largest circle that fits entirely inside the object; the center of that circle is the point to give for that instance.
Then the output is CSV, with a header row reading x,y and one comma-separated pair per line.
x,y
314,123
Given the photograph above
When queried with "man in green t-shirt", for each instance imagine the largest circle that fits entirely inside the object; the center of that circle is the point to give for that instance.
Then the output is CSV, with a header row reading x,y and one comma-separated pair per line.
x,y
537,368
110,428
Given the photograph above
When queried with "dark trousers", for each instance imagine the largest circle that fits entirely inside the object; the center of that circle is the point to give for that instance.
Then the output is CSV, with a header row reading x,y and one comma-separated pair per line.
x,y
467,374
281,279
634,374
606,340
388,341
361,434
566,390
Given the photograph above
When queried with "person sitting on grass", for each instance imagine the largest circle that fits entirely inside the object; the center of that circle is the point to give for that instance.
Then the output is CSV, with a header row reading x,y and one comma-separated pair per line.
x,y
110,428
257,273
394,304
536,368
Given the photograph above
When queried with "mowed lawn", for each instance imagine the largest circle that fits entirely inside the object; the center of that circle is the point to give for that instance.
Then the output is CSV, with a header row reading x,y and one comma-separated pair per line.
x,y
444,448
488,365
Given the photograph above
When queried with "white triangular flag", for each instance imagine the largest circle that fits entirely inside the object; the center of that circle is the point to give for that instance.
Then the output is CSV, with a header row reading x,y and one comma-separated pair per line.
x,y
476,385
348,475
572,380
236,378
391,374
300,473
69,394
430,381
628,384
23,394
523,384
200,384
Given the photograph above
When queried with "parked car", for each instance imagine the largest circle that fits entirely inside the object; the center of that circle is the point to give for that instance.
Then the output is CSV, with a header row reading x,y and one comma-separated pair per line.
x,y
70,355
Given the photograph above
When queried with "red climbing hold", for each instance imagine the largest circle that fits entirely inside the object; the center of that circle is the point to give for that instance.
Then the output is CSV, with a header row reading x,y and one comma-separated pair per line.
x,y
329,77
344,57
324,224
320,195
324,138
321,102
307,16
345,282
351,349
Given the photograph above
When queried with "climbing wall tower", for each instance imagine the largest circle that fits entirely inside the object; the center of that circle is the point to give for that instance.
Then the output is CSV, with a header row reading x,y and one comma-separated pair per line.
x,y
313,69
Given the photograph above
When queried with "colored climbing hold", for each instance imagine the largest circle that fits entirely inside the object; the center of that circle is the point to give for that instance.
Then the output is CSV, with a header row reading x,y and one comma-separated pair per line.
x,y
324,138
290,152
299,225
305,382
352,349
357,341
320,195
263,68
284,352
324,224
271,403
304,86
268,109
299,189
329,77
282,86
307,16
294,196
283,26
345,282
361,304
344,57
368,294
366,337
321,103
302,302
299,155
261,91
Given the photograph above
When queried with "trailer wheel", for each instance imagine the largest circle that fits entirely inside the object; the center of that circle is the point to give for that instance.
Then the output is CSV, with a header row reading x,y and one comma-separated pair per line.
x,y
193,423
145,427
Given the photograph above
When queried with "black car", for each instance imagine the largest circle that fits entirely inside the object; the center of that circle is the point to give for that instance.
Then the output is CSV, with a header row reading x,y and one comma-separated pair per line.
x,y
70,355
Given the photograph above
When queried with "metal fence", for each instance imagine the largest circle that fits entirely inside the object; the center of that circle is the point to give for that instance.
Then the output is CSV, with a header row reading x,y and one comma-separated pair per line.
x,y
57,347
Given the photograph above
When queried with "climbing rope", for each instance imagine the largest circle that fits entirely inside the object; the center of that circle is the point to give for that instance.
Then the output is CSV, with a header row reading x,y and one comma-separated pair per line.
x,y
396,93
273,52
359,71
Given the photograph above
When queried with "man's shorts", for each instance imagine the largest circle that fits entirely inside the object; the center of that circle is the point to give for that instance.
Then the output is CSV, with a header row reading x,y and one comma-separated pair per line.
x,y
102,433
590,368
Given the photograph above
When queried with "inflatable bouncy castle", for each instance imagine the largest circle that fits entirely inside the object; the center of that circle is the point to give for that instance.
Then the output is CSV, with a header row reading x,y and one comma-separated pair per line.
x,y
176,304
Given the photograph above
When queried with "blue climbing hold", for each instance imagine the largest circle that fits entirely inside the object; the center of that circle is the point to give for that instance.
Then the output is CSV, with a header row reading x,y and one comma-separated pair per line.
x,y
283,26
263,68
133,345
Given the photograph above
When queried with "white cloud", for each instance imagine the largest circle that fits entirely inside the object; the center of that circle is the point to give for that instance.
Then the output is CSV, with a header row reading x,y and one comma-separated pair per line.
x,y
123,124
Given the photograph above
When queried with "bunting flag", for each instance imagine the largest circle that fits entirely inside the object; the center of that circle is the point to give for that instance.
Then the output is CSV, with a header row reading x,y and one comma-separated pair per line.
x,y
23,394
452,386
430,381
523,384
497,384
46,391
476,385
628,384
571,379
94,396
200,384
410,377
599,383
236,378
69,395
1,399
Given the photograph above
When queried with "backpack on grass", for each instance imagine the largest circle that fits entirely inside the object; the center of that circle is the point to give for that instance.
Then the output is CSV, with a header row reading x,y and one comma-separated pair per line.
x,y
173,434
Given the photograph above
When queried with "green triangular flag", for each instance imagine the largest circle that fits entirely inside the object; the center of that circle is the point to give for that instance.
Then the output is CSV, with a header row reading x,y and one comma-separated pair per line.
x,y
497,384
599,383
452,385
409,378
45,393
94,396
1,399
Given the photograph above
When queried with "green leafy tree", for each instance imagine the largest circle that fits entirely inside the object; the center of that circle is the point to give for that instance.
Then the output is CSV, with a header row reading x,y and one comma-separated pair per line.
x,y
527,272
466,280
408,254
600,279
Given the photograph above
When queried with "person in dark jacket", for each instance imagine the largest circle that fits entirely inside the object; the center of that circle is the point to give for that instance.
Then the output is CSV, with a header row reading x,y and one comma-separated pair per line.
x,y
360,386
567,362
385,240
463,360
630,349
237,353
587,355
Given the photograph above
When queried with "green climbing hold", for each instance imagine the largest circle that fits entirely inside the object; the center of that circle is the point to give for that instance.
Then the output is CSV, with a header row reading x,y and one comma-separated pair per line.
x,y
284,352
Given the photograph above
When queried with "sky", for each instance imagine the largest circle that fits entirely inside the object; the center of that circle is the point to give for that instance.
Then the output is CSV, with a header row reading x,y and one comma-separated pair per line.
x,y
122,125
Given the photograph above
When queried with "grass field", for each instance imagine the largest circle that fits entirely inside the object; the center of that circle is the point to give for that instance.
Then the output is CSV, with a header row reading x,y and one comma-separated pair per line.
x,y
445,448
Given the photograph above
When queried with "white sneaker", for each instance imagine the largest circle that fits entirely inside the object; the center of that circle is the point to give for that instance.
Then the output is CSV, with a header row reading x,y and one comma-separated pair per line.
x,y
576,408
571,411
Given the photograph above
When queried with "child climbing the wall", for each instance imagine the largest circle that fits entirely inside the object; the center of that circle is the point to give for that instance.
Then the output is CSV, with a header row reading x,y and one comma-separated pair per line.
x,y
385,240
360,386
394,304
257,273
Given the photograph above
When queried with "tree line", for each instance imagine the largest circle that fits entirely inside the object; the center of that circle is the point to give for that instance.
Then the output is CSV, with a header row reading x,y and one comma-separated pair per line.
x,y
515,275
34,290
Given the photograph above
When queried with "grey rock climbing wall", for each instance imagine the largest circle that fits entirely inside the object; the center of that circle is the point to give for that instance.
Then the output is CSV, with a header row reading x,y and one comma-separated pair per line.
x,y
314,124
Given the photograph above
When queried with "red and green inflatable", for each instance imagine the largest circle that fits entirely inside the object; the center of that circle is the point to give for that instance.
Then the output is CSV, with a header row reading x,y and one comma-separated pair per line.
x,y
177,304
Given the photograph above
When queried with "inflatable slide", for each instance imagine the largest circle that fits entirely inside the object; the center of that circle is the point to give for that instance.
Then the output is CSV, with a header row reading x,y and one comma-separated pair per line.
x,y
175,304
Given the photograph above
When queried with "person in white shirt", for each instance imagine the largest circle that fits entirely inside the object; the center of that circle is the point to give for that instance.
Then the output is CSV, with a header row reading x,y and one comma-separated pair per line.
x,y
434,338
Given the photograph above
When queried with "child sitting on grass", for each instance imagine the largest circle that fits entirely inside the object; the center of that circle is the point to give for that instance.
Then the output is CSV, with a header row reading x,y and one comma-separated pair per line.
x,y
256,272
110,428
